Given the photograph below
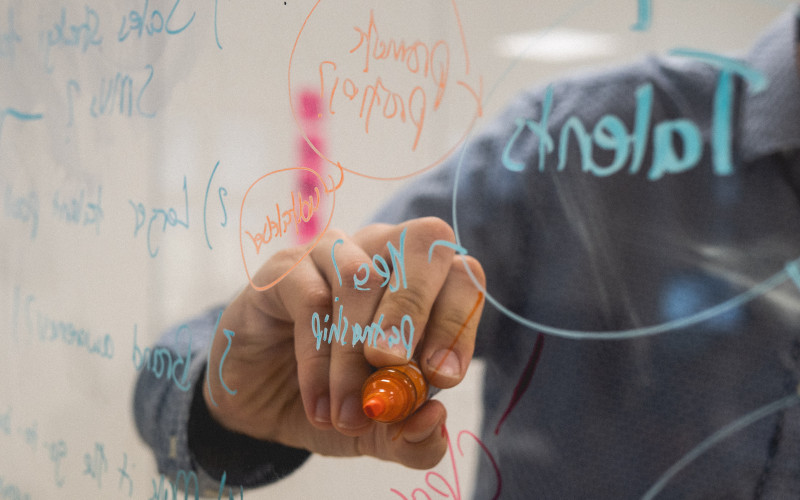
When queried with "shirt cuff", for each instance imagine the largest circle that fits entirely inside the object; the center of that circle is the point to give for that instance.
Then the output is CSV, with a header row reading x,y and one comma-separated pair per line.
x,y
242,460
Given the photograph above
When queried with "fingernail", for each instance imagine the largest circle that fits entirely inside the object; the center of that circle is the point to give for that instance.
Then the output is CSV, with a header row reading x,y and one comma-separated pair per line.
x,y
322,413
396,350
351,415
445,362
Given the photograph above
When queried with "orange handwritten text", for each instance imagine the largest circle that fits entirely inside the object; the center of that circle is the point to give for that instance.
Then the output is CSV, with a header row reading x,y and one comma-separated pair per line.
x,y
276,228
417,57
377,97
436,483
392,85
303,211
374,97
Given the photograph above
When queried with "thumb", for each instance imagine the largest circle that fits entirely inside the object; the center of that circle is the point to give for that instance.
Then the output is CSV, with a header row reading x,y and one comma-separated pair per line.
x,y
419,441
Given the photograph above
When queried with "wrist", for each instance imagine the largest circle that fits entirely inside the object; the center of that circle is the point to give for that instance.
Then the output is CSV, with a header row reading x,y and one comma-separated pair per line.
x,y
244,460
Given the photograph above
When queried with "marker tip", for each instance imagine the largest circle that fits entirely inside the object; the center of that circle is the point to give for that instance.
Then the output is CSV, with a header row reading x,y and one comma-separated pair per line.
x,y
374,407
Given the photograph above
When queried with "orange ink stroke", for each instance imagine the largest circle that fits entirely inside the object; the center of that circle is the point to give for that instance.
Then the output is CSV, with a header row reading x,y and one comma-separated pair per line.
x,y
375,98
260,238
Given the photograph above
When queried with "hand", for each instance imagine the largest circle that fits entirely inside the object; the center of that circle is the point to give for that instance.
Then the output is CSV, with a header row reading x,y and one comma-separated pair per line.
x,y
292,392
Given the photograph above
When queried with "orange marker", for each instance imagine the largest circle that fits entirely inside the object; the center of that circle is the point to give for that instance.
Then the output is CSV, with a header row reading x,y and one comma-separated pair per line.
x,y
393,393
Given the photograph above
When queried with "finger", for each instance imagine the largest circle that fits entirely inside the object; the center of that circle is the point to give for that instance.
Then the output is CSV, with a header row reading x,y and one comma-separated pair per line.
x,y
449,341
304,297
412,289
343,262
419,442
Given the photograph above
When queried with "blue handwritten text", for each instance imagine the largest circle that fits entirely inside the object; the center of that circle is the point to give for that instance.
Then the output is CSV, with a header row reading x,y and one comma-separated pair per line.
x,y
65,34
9,39
169,218
23,208
115,96
150,23
611,134
77,210
162,362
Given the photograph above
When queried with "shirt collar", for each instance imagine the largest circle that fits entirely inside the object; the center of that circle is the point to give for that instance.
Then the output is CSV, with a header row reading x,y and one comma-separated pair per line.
x,y
771,118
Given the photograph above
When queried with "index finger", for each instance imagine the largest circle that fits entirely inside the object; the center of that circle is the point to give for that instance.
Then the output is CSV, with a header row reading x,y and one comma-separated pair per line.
x,y
411,290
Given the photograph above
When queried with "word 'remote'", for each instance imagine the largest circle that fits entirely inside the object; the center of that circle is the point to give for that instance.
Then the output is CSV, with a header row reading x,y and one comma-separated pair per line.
x,y
677,144
369,334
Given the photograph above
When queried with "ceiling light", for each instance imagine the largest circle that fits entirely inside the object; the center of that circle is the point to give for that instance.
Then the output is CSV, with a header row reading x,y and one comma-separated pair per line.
x,y
557,45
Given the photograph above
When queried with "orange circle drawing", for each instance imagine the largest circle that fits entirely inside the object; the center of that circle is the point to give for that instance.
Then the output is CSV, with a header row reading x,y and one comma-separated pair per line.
x,y
331,192
393,104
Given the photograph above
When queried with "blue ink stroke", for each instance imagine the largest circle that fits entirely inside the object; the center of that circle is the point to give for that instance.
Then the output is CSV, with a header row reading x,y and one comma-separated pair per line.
x,y
757,82
229,335
444,243
222,191
208,361
216,31
718,436
19,115
644,16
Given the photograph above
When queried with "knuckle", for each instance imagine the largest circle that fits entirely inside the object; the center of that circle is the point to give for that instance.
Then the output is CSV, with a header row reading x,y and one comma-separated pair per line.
x,y
352,270
435,228
475,268
373,281
405,302
448,325
377,227
333,234
317,297
286,257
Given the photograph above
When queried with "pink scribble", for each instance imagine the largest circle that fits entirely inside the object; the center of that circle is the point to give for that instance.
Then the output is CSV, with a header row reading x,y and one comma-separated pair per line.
x,y
309,113
524,380
445,488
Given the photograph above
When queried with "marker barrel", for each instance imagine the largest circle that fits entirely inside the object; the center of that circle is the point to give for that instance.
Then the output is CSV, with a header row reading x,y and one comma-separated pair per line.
x,y
393,393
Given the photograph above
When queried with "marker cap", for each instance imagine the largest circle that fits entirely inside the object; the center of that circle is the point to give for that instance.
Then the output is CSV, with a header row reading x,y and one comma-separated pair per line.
x,y
393,393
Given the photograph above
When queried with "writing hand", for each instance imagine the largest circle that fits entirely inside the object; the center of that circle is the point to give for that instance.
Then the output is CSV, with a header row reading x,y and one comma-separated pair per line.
x,y
294,391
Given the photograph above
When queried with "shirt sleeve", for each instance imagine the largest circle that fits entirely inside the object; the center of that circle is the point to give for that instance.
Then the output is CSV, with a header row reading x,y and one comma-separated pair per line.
x,y
190,447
